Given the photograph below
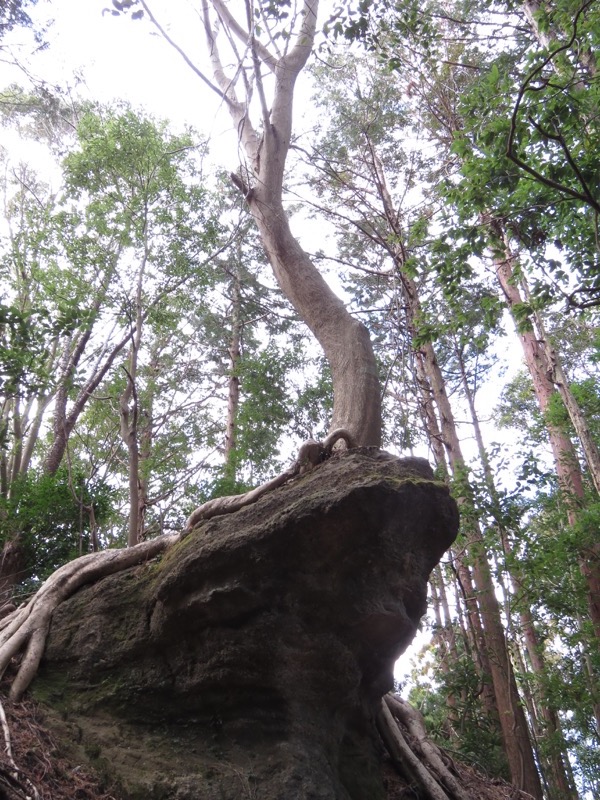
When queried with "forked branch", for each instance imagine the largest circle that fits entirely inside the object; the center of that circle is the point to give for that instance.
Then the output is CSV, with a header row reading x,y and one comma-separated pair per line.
x,y
243,35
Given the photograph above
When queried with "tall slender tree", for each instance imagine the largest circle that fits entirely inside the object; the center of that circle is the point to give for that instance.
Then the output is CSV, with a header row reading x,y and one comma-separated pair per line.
x,y
362,178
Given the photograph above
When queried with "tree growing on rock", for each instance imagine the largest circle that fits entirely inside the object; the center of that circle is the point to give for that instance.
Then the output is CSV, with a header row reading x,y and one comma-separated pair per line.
x,y
345,341
268,50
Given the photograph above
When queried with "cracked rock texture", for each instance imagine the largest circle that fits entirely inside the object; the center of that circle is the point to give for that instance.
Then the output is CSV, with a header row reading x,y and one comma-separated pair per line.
x,y
248,661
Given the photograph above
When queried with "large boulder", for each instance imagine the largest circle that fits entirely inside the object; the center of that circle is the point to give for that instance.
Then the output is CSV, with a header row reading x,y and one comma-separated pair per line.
x,y
248,661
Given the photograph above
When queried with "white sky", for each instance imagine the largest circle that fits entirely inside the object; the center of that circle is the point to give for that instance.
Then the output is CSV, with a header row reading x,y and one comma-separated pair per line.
x,y
103,58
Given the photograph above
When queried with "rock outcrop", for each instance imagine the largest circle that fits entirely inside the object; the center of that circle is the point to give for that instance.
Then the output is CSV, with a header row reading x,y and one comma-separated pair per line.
x,y
248,661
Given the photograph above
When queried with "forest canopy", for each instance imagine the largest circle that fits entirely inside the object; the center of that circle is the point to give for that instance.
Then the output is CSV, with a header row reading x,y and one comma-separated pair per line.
x,y
440,174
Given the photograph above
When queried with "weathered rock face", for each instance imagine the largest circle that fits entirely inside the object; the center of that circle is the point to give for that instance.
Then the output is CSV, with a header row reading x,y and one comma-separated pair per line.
x,y
247,662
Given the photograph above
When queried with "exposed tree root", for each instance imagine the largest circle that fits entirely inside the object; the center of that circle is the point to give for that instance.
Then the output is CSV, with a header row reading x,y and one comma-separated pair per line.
x,y
227,505
442,782
12,782
25,629
405,760
310,454
427,767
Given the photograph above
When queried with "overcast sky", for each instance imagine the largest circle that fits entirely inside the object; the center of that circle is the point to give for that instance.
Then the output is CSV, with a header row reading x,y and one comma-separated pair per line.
x,y
102,57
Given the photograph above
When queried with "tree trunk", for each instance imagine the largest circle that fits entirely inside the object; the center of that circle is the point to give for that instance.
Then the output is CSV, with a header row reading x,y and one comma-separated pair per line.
x,y
532,9
130,412
481,602
4,469
515,733
65,421
12,563
554,749
233,394
430,753
33,433
12,566
501,699
463,573
407,763
560,381
17,449
344,339
445,640
564,453
427,412
543,371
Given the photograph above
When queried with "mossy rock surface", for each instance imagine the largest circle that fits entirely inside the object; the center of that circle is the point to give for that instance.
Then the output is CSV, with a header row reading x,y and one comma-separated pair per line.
x,y
248,660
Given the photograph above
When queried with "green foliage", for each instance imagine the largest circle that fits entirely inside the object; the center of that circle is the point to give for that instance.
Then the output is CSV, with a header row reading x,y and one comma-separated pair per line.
x,y
133,210
42,114
477,737
514,180
314,403
224,485
129,168
264,411
531,162
13,14
518,408
410,164
50,515
587,395
16,351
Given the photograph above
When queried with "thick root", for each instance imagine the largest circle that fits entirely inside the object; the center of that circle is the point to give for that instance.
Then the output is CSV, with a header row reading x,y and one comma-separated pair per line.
x,y
311,454
427,752
227,505
28,626
406,762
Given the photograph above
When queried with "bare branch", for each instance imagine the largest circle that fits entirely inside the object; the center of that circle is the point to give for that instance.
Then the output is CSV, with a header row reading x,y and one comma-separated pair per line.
x,y
183,54
244,36
237,109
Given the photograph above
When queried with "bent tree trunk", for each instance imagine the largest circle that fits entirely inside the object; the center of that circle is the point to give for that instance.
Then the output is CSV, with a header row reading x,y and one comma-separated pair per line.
x,y
344,339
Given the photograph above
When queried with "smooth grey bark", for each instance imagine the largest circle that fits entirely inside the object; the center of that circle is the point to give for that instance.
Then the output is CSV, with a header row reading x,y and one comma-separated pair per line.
x,y
345,340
